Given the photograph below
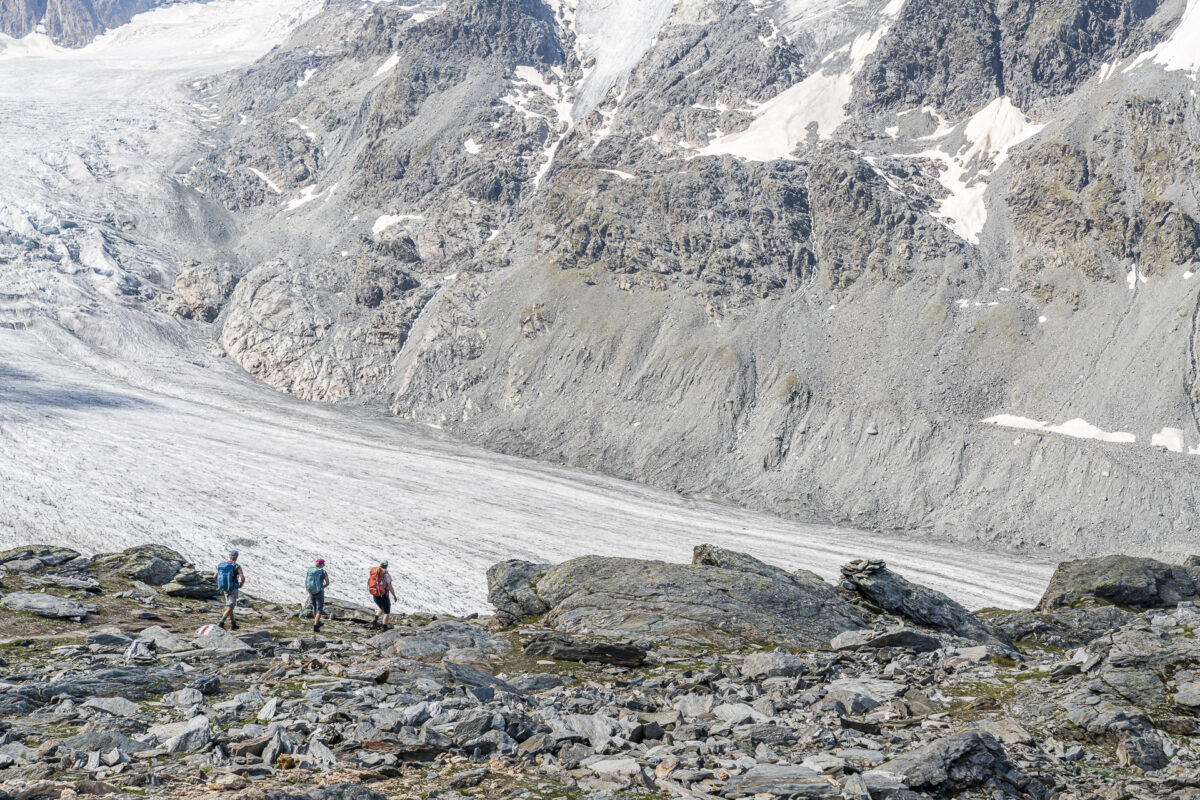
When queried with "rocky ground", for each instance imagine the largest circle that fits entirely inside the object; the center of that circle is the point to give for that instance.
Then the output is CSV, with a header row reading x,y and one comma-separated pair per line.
x,y
724,678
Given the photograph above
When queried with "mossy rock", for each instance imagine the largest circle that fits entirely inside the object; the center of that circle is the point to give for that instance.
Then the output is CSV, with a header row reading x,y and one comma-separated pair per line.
x,y
152,564
49,555
1125,581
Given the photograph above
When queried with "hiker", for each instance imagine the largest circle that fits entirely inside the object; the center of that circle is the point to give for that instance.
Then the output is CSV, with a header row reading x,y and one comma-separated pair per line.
x,y
315,582
230,578
380,586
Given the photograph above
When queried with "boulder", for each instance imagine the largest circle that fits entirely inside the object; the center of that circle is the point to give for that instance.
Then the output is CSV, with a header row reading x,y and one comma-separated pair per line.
x,y
902,638
1127,581
190,584
117,706
340,791
772,665
918,604
561,648
959,763
45,605
685,604
47,555
780,780
151,564
164,641
511,589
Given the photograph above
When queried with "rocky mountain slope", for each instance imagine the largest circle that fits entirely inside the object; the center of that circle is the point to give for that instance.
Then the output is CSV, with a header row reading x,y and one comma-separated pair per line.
x,y
919,266
71,23
108,688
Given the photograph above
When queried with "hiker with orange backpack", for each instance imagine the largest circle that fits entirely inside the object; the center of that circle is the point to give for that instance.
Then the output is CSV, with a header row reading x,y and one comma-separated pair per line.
x,y
380,587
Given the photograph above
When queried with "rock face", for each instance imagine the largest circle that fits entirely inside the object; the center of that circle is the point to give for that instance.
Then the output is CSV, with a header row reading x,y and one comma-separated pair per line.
x,y
1120,580
896,595
743,603
460,219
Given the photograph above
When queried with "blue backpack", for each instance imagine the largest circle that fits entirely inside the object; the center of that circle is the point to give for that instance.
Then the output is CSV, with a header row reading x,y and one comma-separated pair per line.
x,y
314,580
227,576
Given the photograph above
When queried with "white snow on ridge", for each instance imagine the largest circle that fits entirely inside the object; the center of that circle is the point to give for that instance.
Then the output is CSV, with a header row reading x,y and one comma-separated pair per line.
x,y
391,62
991,132
385,221
817,102
1075,428
1180,50
274,187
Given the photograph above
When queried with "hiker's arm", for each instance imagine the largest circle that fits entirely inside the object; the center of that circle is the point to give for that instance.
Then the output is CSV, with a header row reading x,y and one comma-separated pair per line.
x,y
325,579
241,577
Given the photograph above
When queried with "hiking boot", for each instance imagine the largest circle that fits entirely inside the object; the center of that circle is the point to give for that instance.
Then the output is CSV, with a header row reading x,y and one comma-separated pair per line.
x,y
233,624
387,627
316,627
374,623
221,624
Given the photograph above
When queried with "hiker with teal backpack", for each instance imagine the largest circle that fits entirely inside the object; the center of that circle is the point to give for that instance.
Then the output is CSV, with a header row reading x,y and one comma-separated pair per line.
x,y
229,579
315,582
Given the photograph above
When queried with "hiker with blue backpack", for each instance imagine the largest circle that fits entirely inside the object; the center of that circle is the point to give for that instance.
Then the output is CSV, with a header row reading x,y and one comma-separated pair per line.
x,y
229,579
315,582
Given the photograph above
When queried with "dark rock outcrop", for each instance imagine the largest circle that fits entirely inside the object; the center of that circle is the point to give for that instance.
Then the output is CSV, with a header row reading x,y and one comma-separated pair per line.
x,y
896,595
1121,580
685,603
151,564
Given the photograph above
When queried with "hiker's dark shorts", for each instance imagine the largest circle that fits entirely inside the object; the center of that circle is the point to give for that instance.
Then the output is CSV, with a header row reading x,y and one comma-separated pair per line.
x,y
318,601
384,603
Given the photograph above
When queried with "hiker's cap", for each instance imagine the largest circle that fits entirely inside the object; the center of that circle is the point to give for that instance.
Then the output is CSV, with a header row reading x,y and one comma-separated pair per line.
x,y
383,563
320,561
233,553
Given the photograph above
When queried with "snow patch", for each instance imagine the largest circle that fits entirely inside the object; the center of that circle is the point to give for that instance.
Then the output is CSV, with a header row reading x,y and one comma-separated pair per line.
x,y
471,147
1168,439
270,183
1180,50
390,64
308,73
1076,428
990,133
385,221
625,176
307,195
783,122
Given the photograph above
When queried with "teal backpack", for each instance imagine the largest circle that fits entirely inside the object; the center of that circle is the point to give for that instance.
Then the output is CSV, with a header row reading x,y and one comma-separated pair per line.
x,y
313,580
227,576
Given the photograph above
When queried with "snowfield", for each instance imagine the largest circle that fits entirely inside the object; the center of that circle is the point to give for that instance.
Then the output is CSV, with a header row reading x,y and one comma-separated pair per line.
x,y
120,425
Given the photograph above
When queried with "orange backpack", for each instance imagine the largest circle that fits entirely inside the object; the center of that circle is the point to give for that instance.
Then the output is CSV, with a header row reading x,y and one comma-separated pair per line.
x,y
375,583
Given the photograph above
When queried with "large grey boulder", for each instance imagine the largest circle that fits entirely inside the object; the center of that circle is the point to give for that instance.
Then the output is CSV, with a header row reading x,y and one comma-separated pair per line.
x,y
192,585
47,555
511,589
1121,580
151,564
742,603
915,603
780,780
959,763
45,605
